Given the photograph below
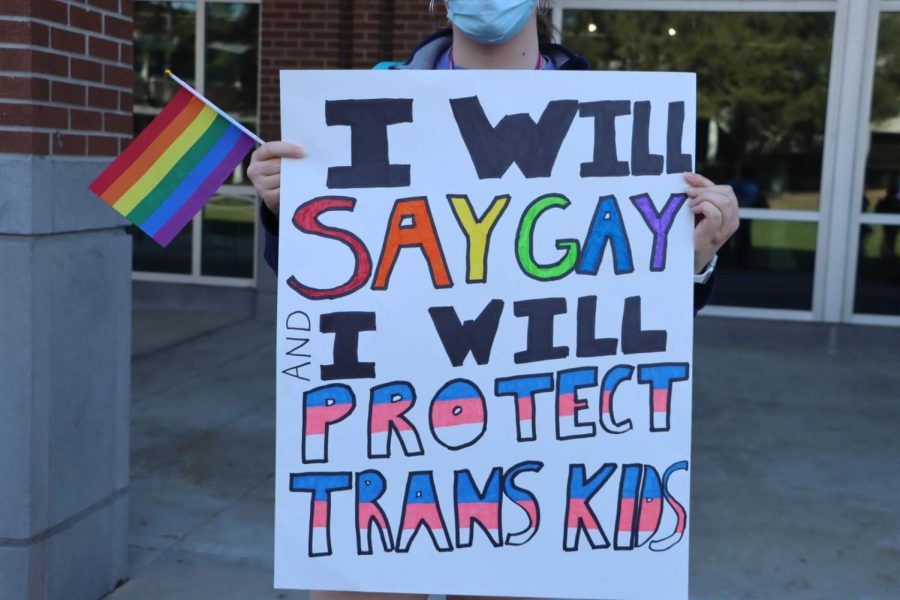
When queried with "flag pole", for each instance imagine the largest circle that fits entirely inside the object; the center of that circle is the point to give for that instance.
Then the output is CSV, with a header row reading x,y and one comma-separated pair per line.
x,y
197,94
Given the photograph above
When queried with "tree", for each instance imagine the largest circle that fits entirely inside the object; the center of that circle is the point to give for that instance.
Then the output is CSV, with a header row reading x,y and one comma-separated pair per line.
x,y
762,77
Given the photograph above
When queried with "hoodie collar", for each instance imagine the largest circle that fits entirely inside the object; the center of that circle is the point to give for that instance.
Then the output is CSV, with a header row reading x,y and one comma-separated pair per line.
x,y
427,53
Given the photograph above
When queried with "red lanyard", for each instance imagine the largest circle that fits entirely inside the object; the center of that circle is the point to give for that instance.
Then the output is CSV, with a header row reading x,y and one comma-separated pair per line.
x,y
537,66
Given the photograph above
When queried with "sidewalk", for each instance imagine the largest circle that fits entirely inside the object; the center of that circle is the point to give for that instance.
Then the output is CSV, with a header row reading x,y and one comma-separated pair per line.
x,y
795,461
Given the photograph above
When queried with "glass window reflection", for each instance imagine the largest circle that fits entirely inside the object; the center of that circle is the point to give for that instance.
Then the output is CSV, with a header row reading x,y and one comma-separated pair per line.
x,y
768,264
762,89
151,257
232,66
762,102
228,236
163,39
878,270
878,267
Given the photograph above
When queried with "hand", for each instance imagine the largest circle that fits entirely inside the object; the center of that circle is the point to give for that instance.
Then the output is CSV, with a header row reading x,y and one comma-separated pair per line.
x,y
716,210
265,170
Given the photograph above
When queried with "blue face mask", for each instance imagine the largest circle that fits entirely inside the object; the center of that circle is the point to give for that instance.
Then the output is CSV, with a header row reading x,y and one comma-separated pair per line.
x,y
490,22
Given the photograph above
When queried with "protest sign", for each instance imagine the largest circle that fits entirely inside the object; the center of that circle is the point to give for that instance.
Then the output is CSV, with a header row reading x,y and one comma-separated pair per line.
x,y
485,333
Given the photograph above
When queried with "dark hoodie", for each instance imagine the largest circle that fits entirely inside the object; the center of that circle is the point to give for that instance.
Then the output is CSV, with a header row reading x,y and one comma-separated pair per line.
x,y
426,56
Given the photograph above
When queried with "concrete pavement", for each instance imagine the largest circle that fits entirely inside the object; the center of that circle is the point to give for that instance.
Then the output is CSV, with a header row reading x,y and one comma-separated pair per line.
x,y
795,467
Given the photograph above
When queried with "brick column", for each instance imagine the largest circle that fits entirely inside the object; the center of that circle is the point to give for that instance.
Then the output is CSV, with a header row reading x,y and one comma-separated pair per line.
x,y
65,264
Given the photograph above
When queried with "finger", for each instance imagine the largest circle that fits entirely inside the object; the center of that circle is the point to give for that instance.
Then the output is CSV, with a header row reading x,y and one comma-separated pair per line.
x,y
697,180
279,149
716,198
693,191
730,219
710,225
727,204
270,182
267,168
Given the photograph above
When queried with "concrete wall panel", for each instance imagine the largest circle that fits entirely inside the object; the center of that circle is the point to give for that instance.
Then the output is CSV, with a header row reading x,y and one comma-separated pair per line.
x,y
17,441
44,195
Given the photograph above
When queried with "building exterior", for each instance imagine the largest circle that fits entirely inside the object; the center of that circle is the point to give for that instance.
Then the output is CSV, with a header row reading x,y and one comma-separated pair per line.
x,y
65,300
798,110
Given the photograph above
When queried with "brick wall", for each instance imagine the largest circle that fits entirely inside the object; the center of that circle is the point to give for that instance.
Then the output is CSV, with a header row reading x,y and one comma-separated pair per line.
x,y
334,34
65,76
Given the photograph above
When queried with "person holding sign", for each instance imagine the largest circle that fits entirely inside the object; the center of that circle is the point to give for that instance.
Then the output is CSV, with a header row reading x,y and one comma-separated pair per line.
x,y
503,34
485,34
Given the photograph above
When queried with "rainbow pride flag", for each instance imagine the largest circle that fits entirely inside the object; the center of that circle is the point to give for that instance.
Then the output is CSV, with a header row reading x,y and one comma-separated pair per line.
x,y
169,172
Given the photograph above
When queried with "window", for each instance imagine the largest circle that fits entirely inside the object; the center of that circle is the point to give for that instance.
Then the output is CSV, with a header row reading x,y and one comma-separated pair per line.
x,y
763,83
213,46
878,262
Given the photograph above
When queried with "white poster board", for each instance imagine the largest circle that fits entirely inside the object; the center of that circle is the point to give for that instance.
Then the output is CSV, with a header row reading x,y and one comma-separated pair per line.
x,y
485,314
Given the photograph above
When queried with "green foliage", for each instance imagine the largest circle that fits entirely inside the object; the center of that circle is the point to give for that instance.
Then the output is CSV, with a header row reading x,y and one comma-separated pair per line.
x,y
886,102
763,78
163,39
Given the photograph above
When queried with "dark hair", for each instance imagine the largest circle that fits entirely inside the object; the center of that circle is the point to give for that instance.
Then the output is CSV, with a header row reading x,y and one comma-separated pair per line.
x,y
546,30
